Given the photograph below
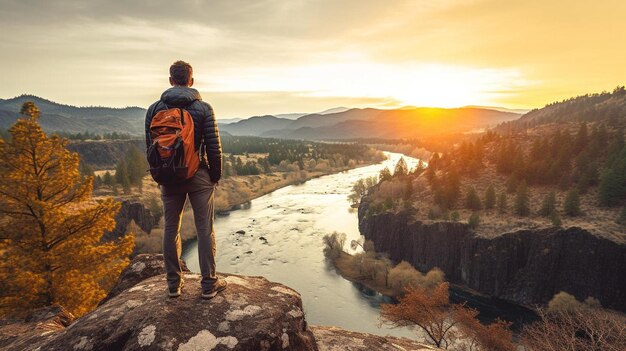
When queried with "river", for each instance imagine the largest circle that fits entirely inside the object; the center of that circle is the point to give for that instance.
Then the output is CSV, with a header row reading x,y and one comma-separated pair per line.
x,y
293,220
283,242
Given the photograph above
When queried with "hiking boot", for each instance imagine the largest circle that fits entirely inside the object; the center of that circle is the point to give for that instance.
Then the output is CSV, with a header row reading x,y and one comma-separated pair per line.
x,y
175,292
219,285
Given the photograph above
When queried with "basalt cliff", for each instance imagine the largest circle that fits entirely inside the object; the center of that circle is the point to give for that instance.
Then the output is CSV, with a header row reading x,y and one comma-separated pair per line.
x,y
525,266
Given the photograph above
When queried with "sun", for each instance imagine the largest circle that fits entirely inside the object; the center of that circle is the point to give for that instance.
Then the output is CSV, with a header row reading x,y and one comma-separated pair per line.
x,y
375,83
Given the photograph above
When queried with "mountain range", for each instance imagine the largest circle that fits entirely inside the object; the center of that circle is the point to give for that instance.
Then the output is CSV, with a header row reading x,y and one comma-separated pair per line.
x,y
354,123
59,117
336,123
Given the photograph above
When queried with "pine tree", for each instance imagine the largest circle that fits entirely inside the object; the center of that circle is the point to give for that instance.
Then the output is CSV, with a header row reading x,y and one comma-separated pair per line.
x,y
474,220
490,197
107,179
572,203
555,219
522,200
85,169
512,184
408,189
121,176
548,205
50,248
385,174
611,187
121,172
136,165
502,202
472,201
401,168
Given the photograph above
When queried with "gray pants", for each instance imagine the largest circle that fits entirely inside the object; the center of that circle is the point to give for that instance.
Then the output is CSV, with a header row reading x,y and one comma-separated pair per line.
x,y
200,191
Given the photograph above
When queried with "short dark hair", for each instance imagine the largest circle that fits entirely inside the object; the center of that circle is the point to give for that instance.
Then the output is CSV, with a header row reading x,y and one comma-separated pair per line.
x,y
181,72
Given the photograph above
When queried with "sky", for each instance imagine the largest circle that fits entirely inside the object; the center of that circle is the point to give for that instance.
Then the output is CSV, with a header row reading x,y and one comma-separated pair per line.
x,y
280,56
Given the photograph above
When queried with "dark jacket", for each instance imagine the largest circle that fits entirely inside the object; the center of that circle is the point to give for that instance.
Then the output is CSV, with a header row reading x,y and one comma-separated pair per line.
x,y
205,126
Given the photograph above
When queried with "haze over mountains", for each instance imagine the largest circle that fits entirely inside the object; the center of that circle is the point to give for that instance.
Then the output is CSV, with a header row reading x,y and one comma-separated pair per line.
x,y
372,123
336,123
67,118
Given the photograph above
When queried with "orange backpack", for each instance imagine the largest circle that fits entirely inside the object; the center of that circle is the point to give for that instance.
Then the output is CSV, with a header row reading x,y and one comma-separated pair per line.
x,y
172,156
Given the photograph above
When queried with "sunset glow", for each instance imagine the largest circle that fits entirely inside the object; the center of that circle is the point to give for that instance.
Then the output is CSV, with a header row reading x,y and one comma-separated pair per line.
x,y
298,56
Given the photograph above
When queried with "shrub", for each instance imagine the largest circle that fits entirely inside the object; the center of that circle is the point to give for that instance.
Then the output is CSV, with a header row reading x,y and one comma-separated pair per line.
x,y
333,244
548,206
522,200
611,187
455,216
576,326
388,204
572,203
474,220
502,203
404,276
444,324
563,301
435,212
472,201
555,219
512,184
490,197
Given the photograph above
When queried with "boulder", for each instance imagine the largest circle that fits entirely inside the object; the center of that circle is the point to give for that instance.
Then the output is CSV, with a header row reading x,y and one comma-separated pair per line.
x,y
337,339
20,333
252,314
142,267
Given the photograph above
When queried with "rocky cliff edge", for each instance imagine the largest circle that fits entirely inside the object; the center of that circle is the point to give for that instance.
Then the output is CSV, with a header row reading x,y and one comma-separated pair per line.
x,y
252,314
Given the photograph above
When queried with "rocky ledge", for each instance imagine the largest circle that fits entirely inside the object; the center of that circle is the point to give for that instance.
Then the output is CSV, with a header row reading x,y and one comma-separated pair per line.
x,y
337,339
252,314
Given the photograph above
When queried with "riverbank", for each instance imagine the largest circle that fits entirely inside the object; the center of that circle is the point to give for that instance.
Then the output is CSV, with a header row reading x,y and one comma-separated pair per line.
x,y
231,193
490,308
235,191
345,267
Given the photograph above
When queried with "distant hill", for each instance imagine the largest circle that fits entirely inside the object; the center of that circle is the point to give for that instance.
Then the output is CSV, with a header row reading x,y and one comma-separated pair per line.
x,y
229,120
67,118
256,125
372,123
335,123
298,115
503,109
609,107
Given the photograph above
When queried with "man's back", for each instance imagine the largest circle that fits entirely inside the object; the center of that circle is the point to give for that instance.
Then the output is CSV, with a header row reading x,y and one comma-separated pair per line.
x,y
206,133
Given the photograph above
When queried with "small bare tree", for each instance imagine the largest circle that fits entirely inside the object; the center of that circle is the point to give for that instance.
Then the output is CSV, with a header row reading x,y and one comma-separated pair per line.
x,y
568,324
333,244
446,325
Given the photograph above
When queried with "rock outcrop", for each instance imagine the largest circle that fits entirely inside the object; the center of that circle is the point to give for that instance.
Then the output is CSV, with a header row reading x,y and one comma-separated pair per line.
x,y
526,266
132,210
21,334
251,314
337,339
104,154
142,267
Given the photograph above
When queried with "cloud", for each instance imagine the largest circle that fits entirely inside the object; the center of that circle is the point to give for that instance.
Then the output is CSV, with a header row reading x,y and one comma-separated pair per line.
x,y
521,54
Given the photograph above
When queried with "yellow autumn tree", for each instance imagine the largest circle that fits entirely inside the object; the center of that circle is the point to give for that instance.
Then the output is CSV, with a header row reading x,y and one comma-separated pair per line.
x,y
50,227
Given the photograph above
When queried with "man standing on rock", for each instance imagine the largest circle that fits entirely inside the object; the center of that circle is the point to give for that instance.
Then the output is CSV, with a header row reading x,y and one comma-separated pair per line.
x,y
198,186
